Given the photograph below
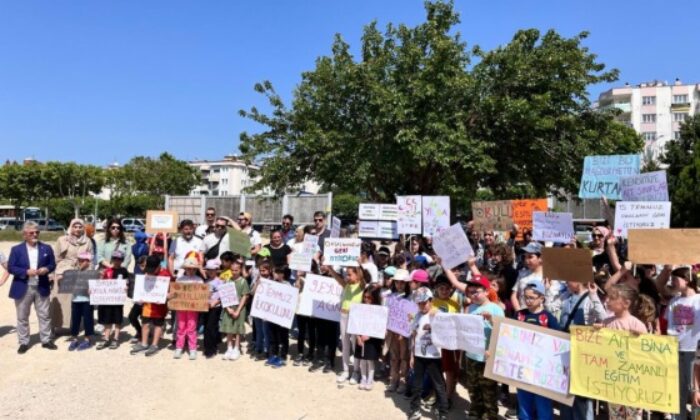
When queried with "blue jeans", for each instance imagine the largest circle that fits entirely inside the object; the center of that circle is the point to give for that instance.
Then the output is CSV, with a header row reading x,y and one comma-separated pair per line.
x,y
262,336
534,407
81,311
581,410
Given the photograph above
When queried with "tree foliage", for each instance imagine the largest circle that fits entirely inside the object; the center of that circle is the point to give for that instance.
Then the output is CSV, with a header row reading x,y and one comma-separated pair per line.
x,y
414,116
683,174
156,177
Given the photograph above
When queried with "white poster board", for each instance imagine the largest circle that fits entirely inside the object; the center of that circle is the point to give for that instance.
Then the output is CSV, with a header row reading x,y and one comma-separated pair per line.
x,y
275,302
107,292
368,211
301,261
552,226
341,251
377,229
369,320
320,298
151,289
452,246
436,214
459,332
641,215
335,227
410,209
228,294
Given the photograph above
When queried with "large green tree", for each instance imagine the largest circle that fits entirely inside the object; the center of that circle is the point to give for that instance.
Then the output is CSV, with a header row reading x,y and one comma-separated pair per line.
x,y
683,174
154,177
72,181
22,183
413,115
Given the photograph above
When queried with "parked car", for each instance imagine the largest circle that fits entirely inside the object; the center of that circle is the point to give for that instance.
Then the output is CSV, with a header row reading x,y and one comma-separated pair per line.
x,y
49,225
9,223
133,224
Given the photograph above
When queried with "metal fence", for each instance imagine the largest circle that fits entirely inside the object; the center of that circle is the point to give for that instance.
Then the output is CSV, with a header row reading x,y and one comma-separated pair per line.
x,y
266,210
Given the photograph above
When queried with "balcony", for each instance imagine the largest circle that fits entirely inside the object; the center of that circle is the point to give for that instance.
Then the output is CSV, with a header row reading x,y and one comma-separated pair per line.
x,y
624,107
681,106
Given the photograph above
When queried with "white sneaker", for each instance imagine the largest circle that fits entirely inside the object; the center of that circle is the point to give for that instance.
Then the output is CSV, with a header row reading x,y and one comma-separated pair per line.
x,y
177,354
362,384
227,355
354,380
235,354
369,385
342,377
193,354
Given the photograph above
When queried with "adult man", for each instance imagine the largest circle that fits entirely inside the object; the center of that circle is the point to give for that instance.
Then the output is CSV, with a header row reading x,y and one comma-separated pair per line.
x,y
245,222
216,243
183,245
30,263
320,226
288,232
208,228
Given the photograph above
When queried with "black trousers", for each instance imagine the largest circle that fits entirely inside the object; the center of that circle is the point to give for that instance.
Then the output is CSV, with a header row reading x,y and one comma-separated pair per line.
x,y
134,315
279,341
433,368
307,327
327,339
212,337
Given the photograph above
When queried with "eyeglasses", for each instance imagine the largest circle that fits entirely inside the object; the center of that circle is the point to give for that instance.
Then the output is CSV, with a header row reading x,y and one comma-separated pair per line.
x,y
220,226
242,219
596,235
211,214
32,232
318,220
115,228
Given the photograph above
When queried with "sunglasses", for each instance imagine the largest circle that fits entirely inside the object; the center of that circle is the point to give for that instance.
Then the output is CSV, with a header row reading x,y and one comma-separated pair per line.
x,y
33,232
220,226
596,235
318,220
115,228
211,214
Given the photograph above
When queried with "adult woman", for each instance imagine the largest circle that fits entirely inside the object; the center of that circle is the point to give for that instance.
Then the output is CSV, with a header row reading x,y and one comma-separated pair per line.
x,y
114,240
66,250
604,250
418,250
279,251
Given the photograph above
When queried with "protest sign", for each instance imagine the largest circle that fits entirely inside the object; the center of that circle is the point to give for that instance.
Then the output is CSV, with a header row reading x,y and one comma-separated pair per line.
x,y
151,289
341,251
522,213
402,312
368,320
228,294
320,298
641,215
568,264
452,246
623,368
275,302
436,214
459,332
335,227
601,175
75,281
107,292
238,242
409,214
388,212
531,358
664,246
649,186
377,229
189,297
492,215
554,227
368,211
161,221
302,260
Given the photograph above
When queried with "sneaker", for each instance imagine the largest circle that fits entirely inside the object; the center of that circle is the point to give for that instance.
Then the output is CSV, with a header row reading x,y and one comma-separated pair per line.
x,y
511,413
22,349
84,345
279,363
315,366
354,380
49,345
73,345
227,355
260,357
114,345
103,345
193,354
138,347
327,367
270,360
369,385
298,359
135,340
177,354
429,401
401,389
342,377
416,415
152,350
306,361
362,384
235,354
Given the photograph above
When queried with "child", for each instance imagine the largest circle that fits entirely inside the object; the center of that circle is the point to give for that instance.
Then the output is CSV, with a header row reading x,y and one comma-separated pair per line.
x,y
136,307
398,348
111,316
233,317
212,336
425,357
227,259
532,406
307,327
449,302
279,336
533,271
368,349
187,320
262,343
81,310
153,315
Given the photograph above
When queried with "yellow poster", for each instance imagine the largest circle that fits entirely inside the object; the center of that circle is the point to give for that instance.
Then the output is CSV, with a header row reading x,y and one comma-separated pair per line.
x,y
622,368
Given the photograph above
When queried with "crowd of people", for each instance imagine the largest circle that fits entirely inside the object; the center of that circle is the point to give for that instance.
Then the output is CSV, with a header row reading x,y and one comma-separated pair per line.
x,y
504,279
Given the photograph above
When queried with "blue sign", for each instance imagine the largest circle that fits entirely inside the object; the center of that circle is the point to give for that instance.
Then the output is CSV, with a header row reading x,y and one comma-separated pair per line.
x,y
601,175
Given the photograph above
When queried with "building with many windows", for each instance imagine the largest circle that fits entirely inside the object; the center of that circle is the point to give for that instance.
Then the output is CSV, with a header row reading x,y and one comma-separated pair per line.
x,y
655,110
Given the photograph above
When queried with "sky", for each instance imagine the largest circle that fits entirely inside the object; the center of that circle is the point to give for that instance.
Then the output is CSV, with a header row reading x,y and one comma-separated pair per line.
x,y
101,82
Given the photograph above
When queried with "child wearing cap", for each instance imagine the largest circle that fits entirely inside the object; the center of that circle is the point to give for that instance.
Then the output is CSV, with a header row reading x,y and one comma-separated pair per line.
x,y
531,272
533,406
425,356
187,320
398,345
419,278
81,311
111,316
448,300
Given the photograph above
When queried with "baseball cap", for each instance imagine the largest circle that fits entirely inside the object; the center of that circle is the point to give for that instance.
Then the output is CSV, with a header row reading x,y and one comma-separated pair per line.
x,y
533,248
479,280
420,259
213,264
384,251
390,271
421,276
536,286
190,263
422,294
402,275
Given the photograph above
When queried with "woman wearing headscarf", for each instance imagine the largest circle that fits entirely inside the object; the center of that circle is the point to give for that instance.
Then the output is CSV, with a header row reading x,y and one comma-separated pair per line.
x,y
603,245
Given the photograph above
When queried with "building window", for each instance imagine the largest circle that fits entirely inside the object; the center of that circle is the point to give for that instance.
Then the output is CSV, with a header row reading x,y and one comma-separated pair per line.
x,y
648,100
648,118
679,116
649,135
676,135
680,99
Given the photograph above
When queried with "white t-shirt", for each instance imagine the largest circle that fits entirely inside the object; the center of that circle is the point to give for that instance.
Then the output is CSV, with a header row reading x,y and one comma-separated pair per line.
x,y
683,315
423,345
373,271
254,236
33,253
211,240
525,276
181,247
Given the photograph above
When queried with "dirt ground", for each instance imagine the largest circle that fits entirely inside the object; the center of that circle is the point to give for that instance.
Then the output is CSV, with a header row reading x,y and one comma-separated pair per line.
x,y
114,384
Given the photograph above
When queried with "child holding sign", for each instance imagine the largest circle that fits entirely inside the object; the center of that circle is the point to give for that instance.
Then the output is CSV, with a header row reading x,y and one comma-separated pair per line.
x,y
111,316
153,314
368,349
399,345
279,335
80,309
212,336
187,320
233,317
262,340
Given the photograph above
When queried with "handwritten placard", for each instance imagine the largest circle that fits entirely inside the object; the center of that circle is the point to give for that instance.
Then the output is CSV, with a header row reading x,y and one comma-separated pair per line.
x,y
568,264
622,368
335,227
402,312
275,302
151,289
554,227
341,251
649,186
369,320
522,213
664,246
320,298
459,332
75,281
601,175
641,215
189,297
302,260
228,294
531,358
388,212
107,292
368,211
161,221
410,208
436,214
492,215
452,246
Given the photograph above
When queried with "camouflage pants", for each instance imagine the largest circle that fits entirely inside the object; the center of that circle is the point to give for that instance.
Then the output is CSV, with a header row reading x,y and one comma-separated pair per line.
x,y
483,392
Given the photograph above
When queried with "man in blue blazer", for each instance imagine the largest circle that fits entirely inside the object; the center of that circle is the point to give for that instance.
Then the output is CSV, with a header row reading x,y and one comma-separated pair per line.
x,y
30,263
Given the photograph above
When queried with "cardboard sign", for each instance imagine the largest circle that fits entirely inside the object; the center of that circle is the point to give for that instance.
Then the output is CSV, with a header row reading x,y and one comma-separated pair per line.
x,y
275,302
161,221
567,264
452,246
402,312
664,246
320,298
492,215
107,292
335,227
189,297
531,358
554,227
459,332
436,214
238,242
410,209
601,175
369,320
377,229
341,251
641,215
622,368
301,261
151,289
75,281
368,211
522,213
649,186
228,294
